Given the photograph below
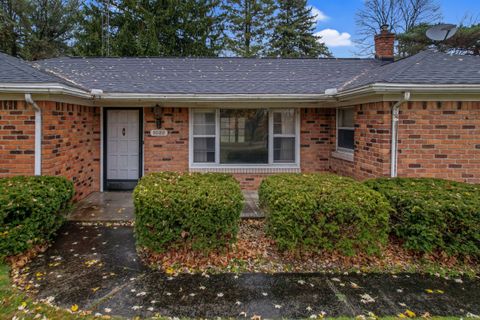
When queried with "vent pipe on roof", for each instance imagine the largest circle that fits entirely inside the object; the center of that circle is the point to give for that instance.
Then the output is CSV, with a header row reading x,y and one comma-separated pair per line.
x,y
96,93
38,133
394,144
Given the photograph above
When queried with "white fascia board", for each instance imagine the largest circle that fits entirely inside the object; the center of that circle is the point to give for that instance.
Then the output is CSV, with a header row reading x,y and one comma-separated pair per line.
x,y
43,88
215,97
380,88
376,88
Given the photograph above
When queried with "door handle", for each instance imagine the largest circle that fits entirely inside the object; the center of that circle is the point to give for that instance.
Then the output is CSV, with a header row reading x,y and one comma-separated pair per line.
x,y
123,132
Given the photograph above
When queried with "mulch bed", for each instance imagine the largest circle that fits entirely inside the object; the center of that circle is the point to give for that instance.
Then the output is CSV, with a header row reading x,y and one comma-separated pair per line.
x,y
255,252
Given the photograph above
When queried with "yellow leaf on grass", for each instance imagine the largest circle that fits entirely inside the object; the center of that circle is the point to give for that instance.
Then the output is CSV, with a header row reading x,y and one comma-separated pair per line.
x,y
169,270
95,289
428,290
410,313
74,308
401,315
439,291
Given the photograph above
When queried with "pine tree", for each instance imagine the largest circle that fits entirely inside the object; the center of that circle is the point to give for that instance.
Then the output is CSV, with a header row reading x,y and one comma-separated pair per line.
x,y
52,24
465,41
37,29
293,34
201,28
14,25
169,28
249,26
88,36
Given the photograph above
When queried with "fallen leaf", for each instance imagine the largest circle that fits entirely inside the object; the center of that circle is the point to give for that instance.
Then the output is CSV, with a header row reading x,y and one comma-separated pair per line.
x,y
410,313
366,298
74,308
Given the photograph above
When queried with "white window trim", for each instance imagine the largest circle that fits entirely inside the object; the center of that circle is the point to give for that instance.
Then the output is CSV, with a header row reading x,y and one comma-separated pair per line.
x,y
217,166
342,153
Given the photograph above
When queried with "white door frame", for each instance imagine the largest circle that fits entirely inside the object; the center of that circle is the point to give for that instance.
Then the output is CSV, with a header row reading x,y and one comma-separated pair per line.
x,y
105,185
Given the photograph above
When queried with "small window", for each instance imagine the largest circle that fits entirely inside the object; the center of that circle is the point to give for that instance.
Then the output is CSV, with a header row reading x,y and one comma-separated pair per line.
x,y
284,136
345,129
204,136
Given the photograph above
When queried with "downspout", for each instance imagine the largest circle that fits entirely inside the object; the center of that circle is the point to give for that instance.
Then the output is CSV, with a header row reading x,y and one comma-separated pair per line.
x,y
394,144
38,133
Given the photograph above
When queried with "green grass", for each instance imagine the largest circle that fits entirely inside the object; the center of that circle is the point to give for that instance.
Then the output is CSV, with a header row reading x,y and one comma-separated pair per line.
x,y
15,303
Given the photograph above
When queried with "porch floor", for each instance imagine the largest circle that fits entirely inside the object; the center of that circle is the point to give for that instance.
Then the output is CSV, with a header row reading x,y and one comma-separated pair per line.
x,y
118,206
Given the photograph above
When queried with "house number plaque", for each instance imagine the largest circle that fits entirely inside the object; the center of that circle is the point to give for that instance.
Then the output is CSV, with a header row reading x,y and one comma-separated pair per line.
x,y
159,133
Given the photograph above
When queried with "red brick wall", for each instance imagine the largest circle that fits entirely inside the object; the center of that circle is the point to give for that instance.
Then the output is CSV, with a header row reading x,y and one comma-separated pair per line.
x,y
315,139
17,139
71,145
372,140
168,153
440,140
70,142
250,181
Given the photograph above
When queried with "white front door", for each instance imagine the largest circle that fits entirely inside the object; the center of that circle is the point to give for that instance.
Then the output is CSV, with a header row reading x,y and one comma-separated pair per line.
x,y
123,145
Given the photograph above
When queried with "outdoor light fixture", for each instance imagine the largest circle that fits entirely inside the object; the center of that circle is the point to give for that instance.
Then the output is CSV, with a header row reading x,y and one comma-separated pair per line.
x,y
157,111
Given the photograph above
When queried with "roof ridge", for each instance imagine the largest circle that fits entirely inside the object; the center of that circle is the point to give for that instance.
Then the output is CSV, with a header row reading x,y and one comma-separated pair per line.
x,y
209,58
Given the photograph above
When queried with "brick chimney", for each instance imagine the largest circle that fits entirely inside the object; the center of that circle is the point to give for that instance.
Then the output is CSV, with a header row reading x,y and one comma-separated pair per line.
x,y
384,44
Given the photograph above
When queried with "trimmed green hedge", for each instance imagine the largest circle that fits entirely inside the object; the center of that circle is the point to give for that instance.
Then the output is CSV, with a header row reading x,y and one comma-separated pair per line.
x,y
31,210
434,214
172,209
324,211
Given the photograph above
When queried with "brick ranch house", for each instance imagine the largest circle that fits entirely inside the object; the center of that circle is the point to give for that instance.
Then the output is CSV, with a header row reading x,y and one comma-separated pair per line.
x,y
105,122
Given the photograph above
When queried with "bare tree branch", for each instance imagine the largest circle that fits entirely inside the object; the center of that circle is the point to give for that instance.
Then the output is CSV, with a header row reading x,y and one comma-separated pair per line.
x,y
400,15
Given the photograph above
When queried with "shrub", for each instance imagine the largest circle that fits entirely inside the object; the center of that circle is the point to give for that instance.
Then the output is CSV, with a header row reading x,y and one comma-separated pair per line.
x,y
174,209
324,211
434,214
31,210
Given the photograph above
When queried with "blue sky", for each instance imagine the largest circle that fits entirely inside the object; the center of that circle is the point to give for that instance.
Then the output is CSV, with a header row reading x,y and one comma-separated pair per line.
x,y
337,20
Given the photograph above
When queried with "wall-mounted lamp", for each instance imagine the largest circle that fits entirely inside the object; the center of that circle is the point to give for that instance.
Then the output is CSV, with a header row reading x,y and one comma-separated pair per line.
x,y
157,111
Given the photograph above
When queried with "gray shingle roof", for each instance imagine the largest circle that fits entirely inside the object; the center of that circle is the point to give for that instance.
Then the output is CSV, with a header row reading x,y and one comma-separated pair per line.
x,y
427,67
239,76
209,75
14,70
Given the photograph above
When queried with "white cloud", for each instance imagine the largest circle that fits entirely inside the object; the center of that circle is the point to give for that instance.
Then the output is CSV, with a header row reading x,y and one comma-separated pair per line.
x,y
333,38
318,14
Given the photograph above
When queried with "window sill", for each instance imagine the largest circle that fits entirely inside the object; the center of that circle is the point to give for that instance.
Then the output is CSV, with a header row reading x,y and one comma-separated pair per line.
x,y
257,169
343,155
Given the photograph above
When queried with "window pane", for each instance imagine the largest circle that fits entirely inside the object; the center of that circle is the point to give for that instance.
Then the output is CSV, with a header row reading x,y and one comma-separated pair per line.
x,y
345,138
203,149
284,150
204,123
346,118
284,122
243,136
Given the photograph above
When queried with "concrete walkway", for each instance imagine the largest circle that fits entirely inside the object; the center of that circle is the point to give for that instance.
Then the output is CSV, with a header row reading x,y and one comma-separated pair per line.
x,y
118,206
104,206
97,268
